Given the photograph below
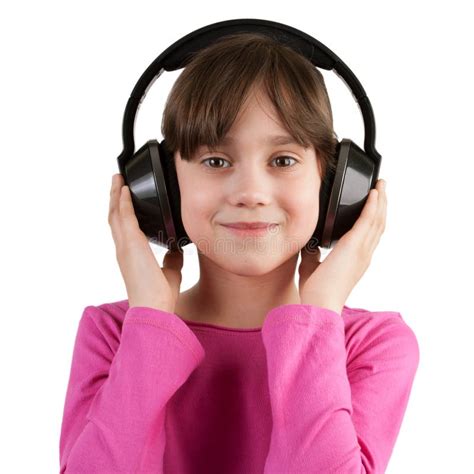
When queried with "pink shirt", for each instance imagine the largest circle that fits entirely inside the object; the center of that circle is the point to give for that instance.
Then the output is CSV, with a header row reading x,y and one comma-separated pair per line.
x,y
310,392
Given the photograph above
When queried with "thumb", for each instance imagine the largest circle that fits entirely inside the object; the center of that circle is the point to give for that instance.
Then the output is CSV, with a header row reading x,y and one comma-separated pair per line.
x,y
172,266
310,260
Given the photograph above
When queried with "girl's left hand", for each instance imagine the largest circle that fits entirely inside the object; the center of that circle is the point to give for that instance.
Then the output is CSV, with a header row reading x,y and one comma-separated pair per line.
x,y
328,284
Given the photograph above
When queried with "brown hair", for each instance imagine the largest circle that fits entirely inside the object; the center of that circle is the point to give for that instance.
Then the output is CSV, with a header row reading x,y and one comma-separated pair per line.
x,y
207,96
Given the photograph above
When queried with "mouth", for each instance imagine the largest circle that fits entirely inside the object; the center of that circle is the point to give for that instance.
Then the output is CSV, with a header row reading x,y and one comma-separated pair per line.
x,y
248,225
255,230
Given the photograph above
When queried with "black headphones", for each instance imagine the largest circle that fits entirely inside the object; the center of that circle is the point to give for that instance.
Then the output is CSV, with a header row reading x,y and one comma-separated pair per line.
x,y
150,173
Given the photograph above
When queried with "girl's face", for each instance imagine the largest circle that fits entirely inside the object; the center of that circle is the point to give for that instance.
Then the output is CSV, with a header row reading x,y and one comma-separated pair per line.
x,y
250,178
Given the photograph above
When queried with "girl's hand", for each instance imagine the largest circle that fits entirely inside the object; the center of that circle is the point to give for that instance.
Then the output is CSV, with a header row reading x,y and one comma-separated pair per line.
x,y
147,284
328,284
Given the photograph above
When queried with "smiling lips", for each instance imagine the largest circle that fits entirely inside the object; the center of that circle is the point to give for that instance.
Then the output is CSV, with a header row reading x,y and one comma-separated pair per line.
x,y
255,229
249,225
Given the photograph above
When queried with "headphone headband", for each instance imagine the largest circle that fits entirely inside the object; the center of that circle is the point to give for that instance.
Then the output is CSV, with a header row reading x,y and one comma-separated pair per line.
x,y
179,53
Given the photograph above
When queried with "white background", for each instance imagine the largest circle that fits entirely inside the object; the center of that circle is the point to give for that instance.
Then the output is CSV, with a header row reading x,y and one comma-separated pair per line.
x,y
67,72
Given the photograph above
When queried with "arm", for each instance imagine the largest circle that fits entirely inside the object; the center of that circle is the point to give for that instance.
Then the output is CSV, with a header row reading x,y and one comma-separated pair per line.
x,y
329,417
118,389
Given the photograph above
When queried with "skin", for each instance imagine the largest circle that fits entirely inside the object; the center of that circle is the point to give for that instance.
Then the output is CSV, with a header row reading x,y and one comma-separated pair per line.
x,y
239,286
242,278
328,284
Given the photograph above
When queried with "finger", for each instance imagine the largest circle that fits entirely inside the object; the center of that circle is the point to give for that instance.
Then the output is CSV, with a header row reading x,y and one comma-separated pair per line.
x,y
378,214
364,223
383,208
309,261
113,217
127,213
114,195
378,226
173,259
117,180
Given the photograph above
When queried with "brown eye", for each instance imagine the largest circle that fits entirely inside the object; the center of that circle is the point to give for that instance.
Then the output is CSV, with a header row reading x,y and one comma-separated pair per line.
x,y
285,157
214,159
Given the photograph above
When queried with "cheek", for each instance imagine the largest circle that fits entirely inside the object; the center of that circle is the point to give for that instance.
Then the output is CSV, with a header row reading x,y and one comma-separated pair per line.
x,y
196,202
197,211
302,208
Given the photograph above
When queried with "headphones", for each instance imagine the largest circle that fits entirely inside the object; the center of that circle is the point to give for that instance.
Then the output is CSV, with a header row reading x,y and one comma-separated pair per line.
x,y
150,173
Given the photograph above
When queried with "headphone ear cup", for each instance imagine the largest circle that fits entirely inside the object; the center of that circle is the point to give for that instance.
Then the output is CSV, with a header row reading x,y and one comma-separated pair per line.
x,y
147,177
344,193
324,195
174,195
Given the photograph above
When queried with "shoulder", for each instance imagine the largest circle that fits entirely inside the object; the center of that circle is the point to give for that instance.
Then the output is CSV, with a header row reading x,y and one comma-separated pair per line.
x,y
385,329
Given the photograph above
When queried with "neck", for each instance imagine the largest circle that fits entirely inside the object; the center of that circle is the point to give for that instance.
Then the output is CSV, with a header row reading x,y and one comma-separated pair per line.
x,y
240,301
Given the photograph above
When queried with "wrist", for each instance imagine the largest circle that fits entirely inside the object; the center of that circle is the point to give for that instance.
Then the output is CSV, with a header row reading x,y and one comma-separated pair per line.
x,y
162,306
323,303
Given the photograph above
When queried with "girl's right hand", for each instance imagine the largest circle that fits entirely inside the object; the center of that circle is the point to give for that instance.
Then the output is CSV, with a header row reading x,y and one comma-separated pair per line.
x,y
146,282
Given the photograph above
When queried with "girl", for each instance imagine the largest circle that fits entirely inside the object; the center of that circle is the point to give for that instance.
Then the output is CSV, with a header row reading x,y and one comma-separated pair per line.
x,y
245,372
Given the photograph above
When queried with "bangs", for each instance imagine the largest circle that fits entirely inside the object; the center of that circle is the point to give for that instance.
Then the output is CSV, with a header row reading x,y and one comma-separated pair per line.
x,y
214,86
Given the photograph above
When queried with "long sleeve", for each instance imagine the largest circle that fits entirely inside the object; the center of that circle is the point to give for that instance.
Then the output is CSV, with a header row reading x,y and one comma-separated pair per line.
x,y
335,412
119,386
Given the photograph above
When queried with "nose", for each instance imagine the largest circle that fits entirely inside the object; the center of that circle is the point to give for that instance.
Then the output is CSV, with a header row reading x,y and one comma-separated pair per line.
x,y
250,187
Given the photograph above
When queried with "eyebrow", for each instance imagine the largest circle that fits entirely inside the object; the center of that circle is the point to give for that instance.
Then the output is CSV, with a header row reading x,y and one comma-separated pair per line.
x,y
271,140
